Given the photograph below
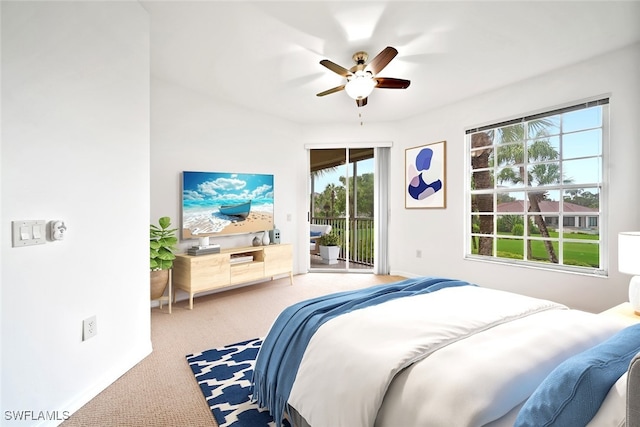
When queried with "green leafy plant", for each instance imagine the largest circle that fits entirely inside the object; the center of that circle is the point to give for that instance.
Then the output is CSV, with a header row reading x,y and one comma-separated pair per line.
x,y
329,239
162,241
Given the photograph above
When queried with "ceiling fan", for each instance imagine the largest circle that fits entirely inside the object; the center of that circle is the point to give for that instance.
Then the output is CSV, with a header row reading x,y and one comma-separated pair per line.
x,y
362,78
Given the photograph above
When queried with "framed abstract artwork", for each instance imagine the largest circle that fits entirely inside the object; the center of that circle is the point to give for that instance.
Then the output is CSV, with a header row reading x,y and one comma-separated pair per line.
x,y
425,176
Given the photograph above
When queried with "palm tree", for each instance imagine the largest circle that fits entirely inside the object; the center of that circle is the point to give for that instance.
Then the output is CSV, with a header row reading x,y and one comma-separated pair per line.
x,y
540,174
315,175
510,152
482,179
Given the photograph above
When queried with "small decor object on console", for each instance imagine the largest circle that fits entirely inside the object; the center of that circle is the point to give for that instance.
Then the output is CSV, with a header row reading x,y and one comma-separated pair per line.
x,y
240,258
629,263
203,250
257,241
274,235
265,238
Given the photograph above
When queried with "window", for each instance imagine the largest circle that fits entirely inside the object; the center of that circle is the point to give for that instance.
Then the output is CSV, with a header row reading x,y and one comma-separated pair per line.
x,y
536,189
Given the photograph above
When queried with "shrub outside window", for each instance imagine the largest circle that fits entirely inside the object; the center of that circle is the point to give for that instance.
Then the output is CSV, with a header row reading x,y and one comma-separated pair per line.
x,y
535,189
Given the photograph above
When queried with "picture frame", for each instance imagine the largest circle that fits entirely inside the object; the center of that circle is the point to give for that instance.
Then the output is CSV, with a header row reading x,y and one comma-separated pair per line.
x,y
426,177
222,203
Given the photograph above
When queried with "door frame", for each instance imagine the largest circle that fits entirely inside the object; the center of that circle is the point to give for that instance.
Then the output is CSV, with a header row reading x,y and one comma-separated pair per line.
x,y
381,236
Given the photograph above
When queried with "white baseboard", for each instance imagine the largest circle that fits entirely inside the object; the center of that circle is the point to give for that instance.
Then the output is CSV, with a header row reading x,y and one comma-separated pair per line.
x,y
99,386
404,274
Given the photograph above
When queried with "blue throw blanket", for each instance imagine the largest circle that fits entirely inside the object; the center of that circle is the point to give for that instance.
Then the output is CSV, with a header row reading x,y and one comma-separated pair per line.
x,y
282,350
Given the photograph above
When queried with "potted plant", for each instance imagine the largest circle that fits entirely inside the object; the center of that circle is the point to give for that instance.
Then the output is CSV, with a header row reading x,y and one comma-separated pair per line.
x,y
162,241
329,247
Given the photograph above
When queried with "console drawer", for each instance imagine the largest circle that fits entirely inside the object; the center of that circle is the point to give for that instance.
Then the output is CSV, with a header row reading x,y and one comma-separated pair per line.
x,y
246,272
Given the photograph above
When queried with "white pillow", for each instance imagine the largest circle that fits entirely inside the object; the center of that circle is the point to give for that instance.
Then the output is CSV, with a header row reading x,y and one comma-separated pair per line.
x,y
612,412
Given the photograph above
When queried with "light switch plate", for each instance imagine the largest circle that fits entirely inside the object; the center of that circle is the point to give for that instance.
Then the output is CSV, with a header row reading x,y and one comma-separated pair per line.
x,y
28,232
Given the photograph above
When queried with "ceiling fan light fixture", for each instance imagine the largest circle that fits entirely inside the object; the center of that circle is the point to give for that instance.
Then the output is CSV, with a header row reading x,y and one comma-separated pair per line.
x,y
360,85
362,78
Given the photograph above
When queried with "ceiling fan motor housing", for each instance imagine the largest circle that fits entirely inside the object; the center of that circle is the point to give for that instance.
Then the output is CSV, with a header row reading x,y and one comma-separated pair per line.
x,y
360,57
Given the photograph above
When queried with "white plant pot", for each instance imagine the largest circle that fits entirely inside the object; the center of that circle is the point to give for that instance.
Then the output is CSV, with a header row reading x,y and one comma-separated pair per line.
x,y
329,254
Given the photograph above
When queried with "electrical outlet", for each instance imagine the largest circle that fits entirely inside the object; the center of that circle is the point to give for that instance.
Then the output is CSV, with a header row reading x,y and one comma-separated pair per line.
x,y
418,253
89,328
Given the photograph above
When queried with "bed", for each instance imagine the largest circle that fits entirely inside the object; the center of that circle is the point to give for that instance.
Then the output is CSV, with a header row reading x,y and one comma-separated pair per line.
x,y
442,352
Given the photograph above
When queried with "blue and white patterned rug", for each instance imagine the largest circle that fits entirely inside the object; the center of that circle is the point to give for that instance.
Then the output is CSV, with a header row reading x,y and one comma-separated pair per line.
x,y
224,376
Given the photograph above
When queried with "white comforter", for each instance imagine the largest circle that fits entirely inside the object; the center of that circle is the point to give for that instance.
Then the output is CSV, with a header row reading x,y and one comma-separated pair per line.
x,y
487,351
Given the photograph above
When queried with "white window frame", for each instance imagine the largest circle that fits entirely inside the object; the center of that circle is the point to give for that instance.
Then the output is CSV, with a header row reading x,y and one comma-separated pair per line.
x,y
602,270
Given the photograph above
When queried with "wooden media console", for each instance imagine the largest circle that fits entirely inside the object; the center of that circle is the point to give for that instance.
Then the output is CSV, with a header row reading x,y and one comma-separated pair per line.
x,y
202,273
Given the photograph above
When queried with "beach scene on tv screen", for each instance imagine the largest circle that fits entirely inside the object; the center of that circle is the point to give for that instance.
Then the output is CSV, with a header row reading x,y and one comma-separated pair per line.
x,y
218,203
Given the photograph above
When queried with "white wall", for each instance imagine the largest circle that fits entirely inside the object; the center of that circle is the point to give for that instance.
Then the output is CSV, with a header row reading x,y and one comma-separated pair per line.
x,y
439,233
193,132
75,146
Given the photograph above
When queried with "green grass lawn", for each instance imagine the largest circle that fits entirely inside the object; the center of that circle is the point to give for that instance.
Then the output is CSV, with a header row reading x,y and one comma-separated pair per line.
x,y
575,253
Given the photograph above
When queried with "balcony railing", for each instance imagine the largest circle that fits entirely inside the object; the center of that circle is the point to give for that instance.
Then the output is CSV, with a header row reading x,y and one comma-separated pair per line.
x,y
361,242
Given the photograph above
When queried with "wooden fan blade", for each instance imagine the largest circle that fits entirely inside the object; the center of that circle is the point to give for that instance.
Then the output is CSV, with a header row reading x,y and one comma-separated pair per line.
x,y
335,68
361,102
382,59
332,90
391,83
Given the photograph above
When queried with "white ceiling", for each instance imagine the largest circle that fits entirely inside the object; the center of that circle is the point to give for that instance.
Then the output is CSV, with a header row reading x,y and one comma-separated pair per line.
x,y
265,55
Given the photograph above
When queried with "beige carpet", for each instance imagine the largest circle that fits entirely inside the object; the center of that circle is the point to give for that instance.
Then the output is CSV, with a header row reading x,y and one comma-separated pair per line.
x,y
161,390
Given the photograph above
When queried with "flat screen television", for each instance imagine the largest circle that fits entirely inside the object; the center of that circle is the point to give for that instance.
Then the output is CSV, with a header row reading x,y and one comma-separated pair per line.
x,y
221,203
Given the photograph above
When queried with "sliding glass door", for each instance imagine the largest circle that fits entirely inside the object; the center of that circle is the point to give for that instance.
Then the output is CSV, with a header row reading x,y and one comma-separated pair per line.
x,y
343,199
